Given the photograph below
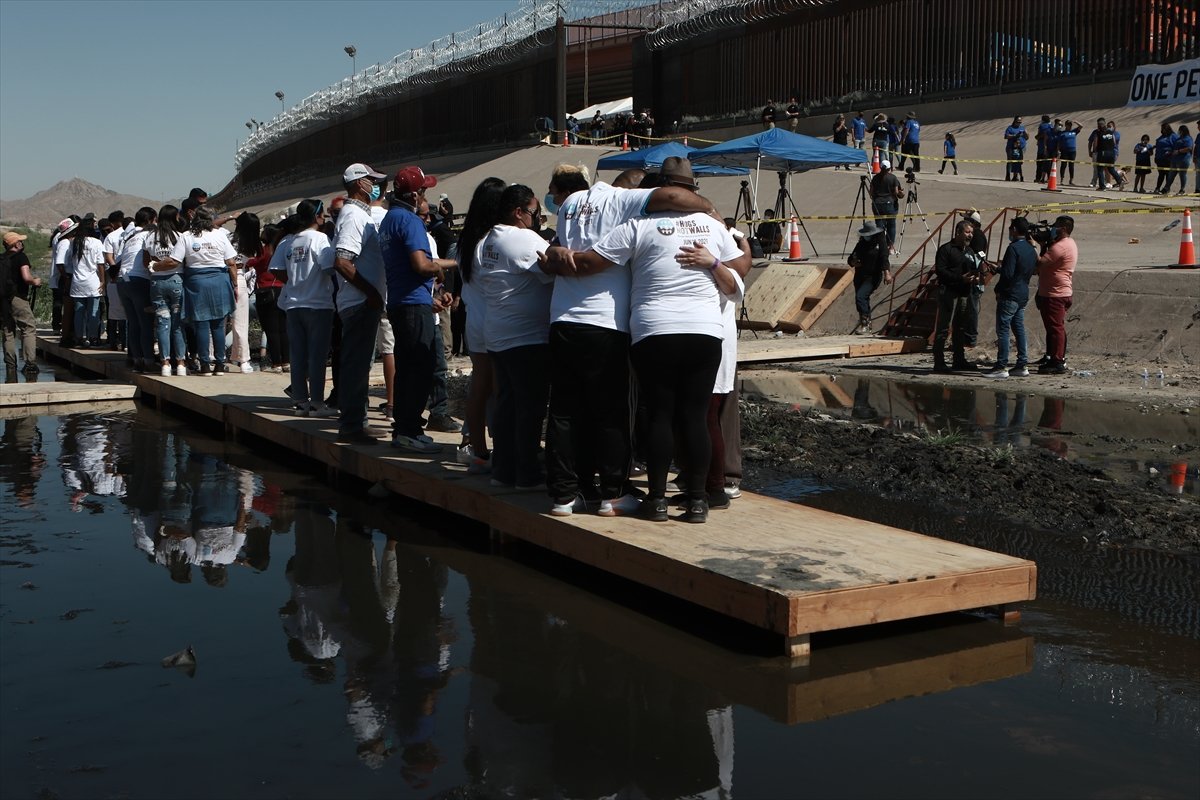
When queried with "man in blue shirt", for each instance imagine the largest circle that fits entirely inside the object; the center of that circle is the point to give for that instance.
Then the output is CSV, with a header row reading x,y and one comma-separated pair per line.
x,y
1045,140
1012,295
410,274
910,142
1014,150
859,126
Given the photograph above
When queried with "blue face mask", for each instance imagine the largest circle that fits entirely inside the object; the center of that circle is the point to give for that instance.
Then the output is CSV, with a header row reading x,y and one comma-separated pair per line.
x,y
374,192
549,204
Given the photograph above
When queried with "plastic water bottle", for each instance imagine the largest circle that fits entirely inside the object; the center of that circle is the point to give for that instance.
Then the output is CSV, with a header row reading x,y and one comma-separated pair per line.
x,y
1145,378
1160,377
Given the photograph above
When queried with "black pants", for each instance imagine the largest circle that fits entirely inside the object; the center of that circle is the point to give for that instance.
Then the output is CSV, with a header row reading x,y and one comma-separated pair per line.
x,y
675,375
588,431
522,386
412,325
56,307
953,313
274,324
913,150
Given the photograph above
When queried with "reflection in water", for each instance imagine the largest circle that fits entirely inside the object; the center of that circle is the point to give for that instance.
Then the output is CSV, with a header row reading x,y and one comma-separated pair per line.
x,y
411,666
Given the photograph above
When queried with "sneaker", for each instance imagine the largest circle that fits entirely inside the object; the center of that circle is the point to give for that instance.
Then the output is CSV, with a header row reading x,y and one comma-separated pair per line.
x,y
718,500
479,466
420,437
414,445
464,454
621,507
638,468
568,507
444,423
1019,372
1041,362
1053,368
653,509
321,410
357,437
166,370
246,367
999,372
697,511
300,409
181,371
30,368
386,410
733,491
218,370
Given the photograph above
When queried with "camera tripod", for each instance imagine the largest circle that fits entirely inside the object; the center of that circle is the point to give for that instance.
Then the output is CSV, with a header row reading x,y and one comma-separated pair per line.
x,y
909,203
745,211
860,198
782,201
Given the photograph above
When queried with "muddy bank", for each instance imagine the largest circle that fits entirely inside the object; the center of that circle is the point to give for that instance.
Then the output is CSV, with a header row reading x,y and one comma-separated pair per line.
x,y
1032,487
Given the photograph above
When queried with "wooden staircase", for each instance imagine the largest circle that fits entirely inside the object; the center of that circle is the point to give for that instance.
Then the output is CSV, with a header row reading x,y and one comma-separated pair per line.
x,y
916,317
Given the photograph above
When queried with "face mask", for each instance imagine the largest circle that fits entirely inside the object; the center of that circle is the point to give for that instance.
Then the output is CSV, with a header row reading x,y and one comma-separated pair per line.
x,y
549,204
374,192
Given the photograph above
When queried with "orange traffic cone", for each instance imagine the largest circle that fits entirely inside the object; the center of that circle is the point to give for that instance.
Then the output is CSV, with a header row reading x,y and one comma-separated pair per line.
x,y
794,252
1177,477
875,162
566,140
625,143
685,144
1187,250
1052,183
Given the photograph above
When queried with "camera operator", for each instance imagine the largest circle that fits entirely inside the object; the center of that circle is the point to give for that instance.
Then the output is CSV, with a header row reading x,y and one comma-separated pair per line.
x,y
957,276
1055,268
886,192
870,262
1012,295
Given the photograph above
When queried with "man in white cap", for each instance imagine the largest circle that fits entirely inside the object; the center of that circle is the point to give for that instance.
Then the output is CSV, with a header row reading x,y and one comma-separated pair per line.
x,y
870,262
361,296
886,192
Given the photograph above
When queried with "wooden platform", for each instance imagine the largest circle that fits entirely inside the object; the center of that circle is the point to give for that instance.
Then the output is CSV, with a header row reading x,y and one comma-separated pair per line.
x,y
769,348
778,566
50,393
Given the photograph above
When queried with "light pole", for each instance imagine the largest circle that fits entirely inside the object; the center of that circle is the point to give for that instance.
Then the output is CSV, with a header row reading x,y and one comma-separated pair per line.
x,y
279,94
352,51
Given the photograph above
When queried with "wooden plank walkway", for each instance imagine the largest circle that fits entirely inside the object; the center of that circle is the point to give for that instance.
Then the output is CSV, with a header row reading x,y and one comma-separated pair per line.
x,y
778,566
769,348
49,393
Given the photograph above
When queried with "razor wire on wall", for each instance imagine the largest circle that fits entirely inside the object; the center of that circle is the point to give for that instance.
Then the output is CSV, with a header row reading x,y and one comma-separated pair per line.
x,y
689,18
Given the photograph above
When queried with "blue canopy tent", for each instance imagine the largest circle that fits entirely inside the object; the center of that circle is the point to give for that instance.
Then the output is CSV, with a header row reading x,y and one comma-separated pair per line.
x,y
779,151
650,157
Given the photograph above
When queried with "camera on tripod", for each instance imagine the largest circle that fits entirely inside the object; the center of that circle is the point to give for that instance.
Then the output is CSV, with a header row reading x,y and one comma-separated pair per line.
x,y
909,177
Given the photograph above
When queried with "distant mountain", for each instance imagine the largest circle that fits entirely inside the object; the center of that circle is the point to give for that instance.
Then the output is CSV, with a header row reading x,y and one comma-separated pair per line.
x,y
76,196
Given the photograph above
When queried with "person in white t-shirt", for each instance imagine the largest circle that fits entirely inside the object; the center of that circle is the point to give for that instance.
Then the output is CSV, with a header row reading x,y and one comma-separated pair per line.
x,y
588,431
60,278
85,262
133,290
676,330
516,328
166,289
57,276
209,286
361,295
307,297
247,242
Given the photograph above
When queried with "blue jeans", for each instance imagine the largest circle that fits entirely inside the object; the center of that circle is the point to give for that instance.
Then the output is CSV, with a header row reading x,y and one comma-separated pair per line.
x,y
166,295
87,319
439,397
864,285
1010,315
360,325
415,362
135,299
309,331
210,341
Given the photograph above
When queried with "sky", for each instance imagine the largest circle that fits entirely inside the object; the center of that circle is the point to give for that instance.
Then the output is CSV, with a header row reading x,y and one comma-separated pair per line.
x,y
152,98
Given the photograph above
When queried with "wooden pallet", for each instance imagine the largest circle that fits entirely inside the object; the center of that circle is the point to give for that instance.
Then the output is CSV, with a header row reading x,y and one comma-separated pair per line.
x,y
791,297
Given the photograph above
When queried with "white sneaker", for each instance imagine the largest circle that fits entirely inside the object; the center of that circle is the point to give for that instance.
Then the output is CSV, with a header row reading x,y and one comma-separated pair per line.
x,y
568,508
622,506
733,491
246,367
464,454
166,370
997,373
181,371
413,444
321,410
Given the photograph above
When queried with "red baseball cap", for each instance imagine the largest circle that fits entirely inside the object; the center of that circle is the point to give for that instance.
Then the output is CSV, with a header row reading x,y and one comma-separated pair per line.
x,y
410,180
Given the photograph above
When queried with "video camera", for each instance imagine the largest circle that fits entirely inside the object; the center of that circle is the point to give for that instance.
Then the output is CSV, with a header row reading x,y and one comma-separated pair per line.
x,y
909,177
1042,232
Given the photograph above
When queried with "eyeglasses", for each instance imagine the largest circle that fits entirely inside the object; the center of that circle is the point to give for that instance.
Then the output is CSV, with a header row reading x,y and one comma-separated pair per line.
x,y
532,212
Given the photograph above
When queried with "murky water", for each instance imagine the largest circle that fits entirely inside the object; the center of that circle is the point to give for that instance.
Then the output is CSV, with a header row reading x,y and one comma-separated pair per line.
x,y
1106,434
350,648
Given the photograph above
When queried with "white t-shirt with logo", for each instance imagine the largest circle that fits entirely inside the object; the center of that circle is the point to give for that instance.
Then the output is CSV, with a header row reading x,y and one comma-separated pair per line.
x,y
85,270
666,296
584,219
308,258
130,257
514,288
207,250
357,232
158,252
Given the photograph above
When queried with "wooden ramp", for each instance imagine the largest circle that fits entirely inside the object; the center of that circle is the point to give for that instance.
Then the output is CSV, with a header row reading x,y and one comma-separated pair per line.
x,y
770,349
791,297
778,566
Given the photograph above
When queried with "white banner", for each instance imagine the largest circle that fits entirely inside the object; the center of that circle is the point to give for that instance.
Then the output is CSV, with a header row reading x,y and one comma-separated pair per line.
x,y
1165,84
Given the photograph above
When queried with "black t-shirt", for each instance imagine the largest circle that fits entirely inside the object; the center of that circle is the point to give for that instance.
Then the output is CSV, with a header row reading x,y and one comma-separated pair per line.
x,y
793,109
886,186
768,114
870,256
16,261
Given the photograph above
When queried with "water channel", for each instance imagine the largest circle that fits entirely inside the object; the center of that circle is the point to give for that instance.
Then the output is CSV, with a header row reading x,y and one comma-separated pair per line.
x,y
355,647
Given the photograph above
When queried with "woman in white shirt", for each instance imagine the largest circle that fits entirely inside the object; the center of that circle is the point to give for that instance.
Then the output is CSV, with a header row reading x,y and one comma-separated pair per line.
x,y
209,281
133,291
247,241
307,297
85,262
516,329
166,289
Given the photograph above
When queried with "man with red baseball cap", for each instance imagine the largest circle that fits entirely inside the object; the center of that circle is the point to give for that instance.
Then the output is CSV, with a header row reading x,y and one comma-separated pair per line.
x,y
410,270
